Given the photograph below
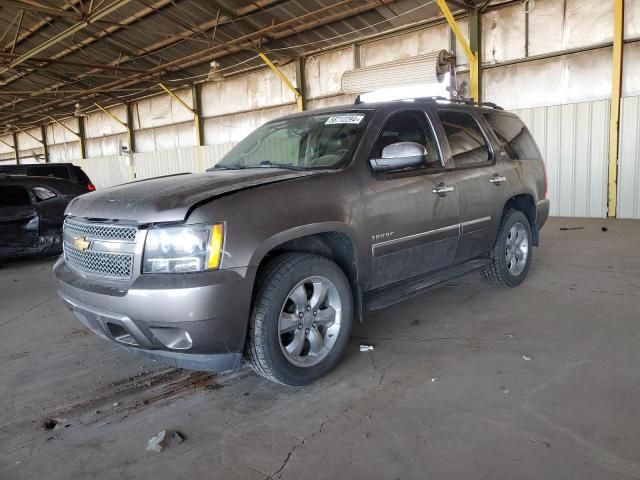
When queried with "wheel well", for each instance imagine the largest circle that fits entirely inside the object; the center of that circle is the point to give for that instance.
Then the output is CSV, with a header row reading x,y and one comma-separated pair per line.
x,y
525,203
336,246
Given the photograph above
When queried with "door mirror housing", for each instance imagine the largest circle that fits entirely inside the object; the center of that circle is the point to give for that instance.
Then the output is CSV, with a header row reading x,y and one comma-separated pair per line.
x,y
400,156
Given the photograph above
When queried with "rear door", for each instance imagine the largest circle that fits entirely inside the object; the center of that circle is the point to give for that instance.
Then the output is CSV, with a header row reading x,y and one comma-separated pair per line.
x,y
412,229
480,179
18,222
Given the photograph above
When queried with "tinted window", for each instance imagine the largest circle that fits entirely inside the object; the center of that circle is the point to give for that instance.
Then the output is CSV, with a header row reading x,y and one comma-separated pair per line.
x,y
514,136
409,126
43,194
14,196
466,141
82,177
57,171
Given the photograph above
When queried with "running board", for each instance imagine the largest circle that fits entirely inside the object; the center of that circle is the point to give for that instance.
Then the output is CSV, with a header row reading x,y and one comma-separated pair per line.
x,y
398,292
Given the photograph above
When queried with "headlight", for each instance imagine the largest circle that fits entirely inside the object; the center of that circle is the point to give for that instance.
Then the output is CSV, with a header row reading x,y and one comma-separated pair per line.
x,y
193,248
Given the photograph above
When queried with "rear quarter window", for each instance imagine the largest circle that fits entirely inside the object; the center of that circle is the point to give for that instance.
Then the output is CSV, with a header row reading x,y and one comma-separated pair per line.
x,y
514,136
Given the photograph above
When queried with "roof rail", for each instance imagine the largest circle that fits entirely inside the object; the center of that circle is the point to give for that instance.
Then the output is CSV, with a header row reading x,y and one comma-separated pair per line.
x,y
461,101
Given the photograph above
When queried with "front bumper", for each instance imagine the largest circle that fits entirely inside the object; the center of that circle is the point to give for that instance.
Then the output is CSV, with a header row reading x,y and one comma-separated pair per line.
x,y
193,321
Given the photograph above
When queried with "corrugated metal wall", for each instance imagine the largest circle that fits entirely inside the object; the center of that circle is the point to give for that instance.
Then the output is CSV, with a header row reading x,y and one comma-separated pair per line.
x,y
116,169
629,159
574,142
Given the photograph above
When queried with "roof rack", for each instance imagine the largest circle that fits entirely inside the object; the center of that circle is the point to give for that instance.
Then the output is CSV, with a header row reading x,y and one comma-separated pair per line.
x,y
460,101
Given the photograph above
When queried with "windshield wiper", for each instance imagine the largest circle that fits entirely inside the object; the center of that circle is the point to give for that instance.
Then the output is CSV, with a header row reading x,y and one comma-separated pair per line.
x,y
228,167
268,164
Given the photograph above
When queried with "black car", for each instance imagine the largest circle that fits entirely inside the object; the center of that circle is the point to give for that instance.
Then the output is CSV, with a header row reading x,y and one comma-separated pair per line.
x,y
31,214
66,171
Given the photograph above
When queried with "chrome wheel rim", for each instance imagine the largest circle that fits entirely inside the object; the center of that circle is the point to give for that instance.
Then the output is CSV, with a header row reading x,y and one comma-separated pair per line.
x,y
310,321
517,249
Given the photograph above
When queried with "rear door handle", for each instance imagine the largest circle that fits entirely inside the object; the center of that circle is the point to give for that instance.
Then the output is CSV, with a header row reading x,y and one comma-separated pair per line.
x,y
443,189
497,180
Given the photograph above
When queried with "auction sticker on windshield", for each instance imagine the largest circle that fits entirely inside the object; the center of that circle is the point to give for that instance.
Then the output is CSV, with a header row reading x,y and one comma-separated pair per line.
x,y
344,119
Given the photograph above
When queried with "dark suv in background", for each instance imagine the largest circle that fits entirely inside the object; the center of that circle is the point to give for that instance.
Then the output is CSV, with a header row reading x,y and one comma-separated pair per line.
x,y
309,221
31,214
66,171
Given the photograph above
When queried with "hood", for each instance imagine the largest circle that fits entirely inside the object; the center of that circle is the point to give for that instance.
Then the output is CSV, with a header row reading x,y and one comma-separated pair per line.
x,y
169,199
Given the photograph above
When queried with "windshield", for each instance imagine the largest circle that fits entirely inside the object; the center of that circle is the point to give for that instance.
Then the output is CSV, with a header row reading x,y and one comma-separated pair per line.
x,y
321,141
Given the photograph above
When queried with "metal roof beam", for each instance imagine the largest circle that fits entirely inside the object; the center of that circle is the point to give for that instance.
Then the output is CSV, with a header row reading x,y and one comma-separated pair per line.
x,y
64,34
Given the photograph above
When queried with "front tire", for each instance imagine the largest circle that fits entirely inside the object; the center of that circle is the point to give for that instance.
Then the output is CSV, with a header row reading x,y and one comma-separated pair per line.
x,y
301,319
512,251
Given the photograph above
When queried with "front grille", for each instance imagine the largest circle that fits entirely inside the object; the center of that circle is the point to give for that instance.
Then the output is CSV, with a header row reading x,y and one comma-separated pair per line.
x,y
98,262
100,231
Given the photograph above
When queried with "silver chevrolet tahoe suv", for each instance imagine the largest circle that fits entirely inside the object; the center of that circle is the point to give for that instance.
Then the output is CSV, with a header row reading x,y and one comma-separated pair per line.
x,y
311,220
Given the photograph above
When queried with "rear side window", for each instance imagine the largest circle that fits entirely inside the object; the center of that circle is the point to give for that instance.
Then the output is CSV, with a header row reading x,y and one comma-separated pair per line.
x,y
14,196
82,177
466,140
514,136
58,171
42,194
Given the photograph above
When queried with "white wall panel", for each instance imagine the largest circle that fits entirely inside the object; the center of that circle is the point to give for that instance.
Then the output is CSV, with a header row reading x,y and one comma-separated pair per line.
x,y
334,100
107,171
64,152
162,110
180,160
6,145
568,79
573,140
503,34
323,73
100,124
629,159
165,138
56,133
255,90
106,146
405,45
233,128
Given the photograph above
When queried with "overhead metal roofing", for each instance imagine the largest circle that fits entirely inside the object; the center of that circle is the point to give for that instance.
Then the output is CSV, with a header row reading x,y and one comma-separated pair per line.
x,y
56,53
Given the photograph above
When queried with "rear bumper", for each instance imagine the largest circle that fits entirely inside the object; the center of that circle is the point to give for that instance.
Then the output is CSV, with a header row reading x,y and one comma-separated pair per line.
x,y
197,322
542,215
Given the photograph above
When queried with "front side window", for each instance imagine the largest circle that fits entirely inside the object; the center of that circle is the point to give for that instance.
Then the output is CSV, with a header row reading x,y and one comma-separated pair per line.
x,y
466,141
402,132
308,142
42,194
514,136
14,196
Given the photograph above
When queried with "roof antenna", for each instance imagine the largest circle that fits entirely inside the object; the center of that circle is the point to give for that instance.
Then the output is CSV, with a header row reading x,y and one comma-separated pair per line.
x,y
358,101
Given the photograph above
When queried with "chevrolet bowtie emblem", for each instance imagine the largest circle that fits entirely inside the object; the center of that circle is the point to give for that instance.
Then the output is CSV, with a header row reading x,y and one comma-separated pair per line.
x,y
81,243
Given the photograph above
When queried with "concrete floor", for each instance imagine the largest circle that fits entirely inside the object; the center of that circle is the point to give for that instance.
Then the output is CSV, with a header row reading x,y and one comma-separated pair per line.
x,y
447,393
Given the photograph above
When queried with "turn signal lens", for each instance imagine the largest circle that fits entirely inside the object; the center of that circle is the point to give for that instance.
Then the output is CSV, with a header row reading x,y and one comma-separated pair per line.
x,y
215,246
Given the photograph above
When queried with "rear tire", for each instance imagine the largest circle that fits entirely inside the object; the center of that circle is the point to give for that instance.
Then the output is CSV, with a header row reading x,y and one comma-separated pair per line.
x,y
301,319
512,251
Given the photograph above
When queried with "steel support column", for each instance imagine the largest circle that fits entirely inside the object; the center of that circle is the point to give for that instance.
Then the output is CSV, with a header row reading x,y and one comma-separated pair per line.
x,y
196,91
16,148
475,43
614,117
131,139
45,145
82,137
473,56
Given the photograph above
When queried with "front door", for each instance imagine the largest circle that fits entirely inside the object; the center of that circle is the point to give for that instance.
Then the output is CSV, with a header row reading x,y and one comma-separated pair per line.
x,y
411,213
18,222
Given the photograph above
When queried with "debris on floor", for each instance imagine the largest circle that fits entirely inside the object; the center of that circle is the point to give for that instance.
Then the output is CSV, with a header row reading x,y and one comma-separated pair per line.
x,y
435,379
366,348
605,229
571,228
505,390
527,358
155,444
50,423
158,442
177,437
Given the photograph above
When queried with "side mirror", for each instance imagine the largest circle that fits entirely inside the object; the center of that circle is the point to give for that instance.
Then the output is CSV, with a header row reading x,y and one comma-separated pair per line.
x,y
400,156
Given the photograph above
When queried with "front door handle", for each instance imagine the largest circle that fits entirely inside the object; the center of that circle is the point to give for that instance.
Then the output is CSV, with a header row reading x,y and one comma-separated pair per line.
x,y
497,180
443,189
